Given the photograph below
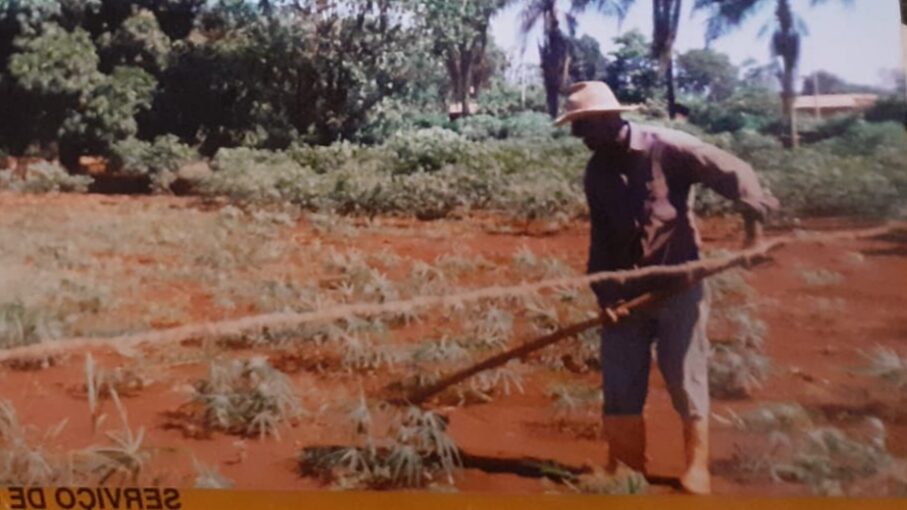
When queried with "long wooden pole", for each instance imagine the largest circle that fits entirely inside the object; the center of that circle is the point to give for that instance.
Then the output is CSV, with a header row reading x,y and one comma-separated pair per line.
x,y
636,304
749,258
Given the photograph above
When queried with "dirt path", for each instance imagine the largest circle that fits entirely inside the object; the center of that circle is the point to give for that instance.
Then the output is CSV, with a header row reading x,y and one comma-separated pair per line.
x,y
818,322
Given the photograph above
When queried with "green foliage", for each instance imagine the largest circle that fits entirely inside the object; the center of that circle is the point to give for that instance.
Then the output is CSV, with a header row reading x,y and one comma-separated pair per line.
x,y
108,112
756,109
55,62
531,125
480,127
426,149
138,42
830,83
812,131
503,99
632,74
412,452
866,139
832,463
526,125
706,73
586,60
887,365
251,175
888,109
359,62
138,157
246,397
44,177
623,482
428,173
21,325
459,35
736,370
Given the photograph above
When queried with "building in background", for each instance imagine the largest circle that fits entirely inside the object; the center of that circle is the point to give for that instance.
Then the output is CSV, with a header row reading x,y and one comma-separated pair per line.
x,y
825,105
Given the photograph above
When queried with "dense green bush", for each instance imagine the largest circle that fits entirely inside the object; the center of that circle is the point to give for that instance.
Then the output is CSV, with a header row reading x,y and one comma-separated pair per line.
x,y
531,125
866,139
160,160
44,177
138,157
481,127
748,108
888,109
245,174
426,149
539,180
812,131
525,125
862,172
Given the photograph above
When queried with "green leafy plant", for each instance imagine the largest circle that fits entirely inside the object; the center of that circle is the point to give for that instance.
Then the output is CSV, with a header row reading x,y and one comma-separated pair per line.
x,y
831,463
248,398
624,482
886,364
125,457
207,477
736,370
44,177
415,451
820,277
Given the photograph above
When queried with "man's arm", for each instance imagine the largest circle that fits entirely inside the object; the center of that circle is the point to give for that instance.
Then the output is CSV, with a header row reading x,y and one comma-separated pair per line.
x,y
734,179
605,292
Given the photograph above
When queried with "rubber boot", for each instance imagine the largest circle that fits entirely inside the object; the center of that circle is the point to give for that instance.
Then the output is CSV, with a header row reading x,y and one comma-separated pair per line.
x,y
626,436
696,478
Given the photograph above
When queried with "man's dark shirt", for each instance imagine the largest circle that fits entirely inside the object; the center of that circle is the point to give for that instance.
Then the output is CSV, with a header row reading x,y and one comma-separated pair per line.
x,y
640,202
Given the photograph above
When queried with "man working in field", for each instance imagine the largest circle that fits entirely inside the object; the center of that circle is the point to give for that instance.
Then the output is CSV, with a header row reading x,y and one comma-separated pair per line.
x,y
639,187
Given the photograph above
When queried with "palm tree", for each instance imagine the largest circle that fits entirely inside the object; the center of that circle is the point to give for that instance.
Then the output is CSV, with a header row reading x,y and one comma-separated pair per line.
x,y
665,22
788,30
554,49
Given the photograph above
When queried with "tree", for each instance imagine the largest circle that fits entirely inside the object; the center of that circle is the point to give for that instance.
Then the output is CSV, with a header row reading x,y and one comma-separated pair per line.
x,y
706,73
138,41
106,115
632,73
829,83
586,60
553,50
54,70
459,29
361,56
611,8
725,15
665,23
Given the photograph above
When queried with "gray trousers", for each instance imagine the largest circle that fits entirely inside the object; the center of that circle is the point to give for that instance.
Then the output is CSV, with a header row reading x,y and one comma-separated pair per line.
x,y
677,328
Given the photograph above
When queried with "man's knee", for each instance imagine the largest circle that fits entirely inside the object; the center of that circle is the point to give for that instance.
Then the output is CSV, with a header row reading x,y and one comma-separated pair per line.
x,y
691,401
626,355
686,375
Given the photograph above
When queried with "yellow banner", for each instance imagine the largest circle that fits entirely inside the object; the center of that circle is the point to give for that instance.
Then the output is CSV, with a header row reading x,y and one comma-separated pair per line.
x,y
160,498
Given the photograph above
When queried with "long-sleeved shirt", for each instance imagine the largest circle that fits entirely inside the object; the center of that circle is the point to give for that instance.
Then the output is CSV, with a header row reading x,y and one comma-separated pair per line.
x,y
641,202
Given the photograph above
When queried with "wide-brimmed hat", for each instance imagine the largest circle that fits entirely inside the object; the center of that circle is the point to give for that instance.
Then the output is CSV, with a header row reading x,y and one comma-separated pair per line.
x,y
590,98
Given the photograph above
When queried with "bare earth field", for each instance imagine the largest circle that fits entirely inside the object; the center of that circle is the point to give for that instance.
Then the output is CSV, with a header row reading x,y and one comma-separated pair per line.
x,y
88,265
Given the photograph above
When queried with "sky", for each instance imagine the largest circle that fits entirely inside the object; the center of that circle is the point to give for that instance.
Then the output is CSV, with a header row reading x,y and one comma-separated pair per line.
x,y
857,43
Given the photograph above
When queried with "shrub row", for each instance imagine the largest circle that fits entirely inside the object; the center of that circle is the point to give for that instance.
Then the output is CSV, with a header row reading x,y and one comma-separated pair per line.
x,y
433,171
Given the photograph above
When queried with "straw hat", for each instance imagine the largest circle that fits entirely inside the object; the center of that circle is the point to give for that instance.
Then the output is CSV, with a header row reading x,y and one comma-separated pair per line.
x,y
589,98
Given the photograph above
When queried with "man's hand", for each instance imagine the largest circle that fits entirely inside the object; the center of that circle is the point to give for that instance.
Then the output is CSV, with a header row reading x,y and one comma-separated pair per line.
x,y
753,227
614,313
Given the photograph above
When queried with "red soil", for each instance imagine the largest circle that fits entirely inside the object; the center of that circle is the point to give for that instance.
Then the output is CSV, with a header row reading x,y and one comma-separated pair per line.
x,y
810,350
